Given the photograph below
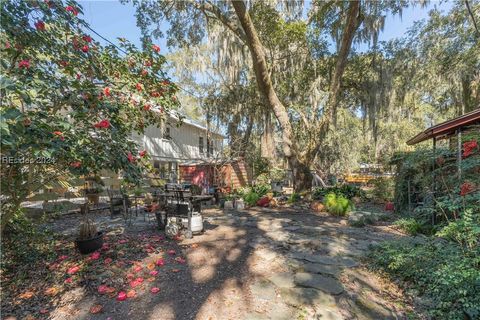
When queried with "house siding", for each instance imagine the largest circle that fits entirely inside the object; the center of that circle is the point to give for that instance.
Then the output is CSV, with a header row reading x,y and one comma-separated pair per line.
x,y
183,145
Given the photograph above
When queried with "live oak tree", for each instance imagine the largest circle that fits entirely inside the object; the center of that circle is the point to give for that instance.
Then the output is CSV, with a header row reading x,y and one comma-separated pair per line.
x,y
68,104
190,20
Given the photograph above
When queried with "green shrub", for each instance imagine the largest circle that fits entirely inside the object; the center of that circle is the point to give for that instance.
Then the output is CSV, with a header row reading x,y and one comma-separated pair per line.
x,y
251,198
261,189
383,188
409,225
294,197
337,204
443,272
465,231
346,190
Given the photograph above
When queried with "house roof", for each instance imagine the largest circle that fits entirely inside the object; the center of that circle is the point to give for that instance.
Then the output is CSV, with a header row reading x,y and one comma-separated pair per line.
x,y
184,120
447,127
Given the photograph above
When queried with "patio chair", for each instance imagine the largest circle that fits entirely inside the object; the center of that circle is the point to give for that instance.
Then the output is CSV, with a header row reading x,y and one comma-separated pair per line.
x,y
119,203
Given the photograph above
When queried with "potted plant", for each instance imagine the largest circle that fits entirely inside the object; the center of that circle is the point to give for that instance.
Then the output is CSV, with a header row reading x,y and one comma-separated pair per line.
x,y
89,239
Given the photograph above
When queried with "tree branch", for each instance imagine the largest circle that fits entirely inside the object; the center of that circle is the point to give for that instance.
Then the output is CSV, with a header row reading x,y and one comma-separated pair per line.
x,y
472,16
208,7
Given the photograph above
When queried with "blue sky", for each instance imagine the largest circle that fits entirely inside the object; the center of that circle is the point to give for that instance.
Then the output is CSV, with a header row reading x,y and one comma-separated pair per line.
x,y
112,19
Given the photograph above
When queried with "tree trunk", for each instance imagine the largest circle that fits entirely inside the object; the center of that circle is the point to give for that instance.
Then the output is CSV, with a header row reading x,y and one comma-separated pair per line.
x,y
265,86
352,24
302,176
267,144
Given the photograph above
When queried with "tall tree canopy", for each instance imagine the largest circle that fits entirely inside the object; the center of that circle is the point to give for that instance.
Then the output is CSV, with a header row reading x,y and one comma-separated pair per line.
x,y
295,63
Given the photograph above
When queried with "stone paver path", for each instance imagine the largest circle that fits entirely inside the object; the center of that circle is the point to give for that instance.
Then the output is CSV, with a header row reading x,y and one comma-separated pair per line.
x,y
280,263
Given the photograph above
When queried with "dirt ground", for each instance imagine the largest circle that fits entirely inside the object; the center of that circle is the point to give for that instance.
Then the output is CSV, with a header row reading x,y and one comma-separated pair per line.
x,y
284,263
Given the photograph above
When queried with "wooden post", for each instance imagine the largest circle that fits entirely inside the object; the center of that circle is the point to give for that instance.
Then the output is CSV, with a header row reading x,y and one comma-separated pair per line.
x,y
434,175
459,153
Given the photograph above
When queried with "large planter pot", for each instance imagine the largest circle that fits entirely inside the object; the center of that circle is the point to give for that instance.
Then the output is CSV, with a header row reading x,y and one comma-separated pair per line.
x,y
90,245
93,198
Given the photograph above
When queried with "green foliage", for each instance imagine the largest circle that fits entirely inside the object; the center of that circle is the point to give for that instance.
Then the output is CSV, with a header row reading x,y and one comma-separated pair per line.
x,y
251,198
261,189
465,230
383,188
452,198
276,174
346,190
409,225
68,104
441,271
294,198
337,204
23,243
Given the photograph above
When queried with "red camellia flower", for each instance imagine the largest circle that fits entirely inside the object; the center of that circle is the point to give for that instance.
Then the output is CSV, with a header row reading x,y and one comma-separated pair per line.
x,y
148,63
160,262
469,147
121,296
24,64
85,48
87,38
155,94
59,134
147,107
63,63
76,164
40,25
106,91
102,289
139,86
156,48
130,157
154,290
73,270
95,255
466,188
71,9
142,153
104,124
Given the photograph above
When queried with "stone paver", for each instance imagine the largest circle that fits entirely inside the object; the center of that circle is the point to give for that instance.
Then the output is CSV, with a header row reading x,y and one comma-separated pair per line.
x,y
298,297
317,281
263,289
332,270
315,258
282,280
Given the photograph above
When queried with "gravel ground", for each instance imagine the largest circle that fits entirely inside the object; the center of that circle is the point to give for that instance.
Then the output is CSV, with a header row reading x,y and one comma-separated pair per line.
x,y
284,263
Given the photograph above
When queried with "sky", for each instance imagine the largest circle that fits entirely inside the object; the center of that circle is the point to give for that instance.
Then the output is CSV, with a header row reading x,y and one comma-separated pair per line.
x,y
112,19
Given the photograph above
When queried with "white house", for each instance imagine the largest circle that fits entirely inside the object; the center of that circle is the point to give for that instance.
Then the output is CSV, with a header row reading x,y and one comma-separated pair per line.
x,y
178,142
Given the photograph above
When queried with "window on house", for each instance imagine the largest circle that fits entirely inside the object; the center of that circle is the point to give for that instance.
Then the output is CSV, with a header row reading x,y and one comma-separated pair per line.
x,y
166,133
200,144
210,148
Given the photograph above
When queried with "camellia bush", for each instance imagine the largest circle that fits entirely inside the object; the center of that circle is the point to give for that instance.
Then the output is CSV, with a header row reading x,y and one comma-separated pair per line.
x,y
68,104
